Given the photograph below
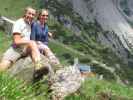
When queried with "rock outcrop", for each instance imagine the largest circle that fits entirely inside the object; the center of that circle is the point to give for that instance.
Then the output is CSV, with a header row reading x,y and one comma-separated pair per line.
x,y
24,68
6,24
111,19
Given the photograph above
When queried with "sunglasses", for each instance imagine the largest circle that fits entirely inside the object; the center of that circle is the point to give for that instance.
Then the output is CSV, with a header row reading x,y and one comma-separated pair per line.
x,y
44,15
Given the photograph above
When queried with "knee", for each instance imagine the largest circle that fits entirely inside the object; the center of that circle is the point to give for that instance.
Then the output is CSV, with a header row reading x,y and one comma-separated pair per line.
x,y
48,51
33,44
4,65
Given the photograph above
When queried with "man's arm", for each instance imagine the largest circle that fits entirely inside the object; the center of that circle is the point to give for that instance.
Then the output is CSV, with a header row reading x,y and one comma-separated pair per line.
x,y
18,40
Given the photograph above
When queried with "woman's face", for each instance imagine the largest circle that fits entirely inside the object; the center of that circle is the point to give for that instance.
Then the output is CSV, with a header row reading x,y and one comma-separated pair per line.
x,y
43,17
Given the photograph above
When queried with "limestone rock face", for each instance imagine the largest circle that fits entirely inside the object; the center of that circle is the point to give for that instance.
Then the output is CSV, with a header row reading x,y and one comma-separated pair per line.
x,y
110,16
6,24
66,81
63,78
24,68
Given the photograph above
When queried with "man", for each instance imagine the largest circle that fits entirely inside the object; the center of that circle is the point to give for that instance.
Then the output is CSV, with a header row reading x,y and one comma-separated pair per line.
x,y
22,45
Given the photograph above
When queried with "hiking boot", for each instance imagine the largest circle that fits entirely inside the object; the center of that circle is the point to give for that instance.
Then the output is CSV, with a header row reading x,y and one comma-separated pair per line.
x,y
41,68
38,73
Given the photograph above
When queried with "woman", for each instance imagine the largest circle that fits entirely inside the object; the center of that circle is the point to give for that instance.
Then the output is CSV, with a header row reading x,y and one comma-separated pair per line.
x,y
39,33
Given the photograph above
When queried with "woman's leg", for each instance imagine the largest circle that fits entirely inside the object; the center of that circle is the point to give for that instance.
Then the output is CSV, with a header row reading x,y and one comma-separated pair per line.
x,y
53,59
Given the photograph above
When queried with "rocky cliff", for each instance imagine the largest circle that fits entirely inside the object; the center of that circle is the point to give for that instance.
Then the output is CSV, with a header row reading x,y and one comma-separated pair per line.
x,y
110,16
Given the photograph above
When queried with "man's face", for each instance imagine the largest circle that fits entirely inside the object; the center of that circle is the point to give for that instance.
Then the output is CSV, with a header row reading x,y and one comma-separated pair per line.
x,y
29,15
44,16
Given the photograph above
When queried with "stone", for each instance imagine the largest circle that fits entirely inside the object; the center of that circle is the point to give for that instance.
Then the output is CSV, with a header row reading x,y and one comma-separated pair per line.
x,y
66,81
6,25
24,68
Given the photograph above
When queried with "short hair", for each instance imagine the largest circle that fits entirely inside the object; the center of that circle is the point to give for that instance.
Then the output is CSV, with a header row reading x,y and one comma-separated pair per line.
x,y
40,12
27,8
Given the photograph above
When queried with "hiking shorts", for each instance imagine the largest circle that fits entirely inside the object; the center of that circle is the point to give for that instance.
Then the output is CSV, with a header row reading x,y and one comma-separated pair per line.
x,y
13,54
42,46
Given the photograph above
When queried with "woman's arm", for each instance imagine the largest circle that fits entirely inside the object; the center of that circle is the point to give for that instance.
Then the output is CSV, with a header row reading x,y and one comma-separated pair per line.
x,y
33,32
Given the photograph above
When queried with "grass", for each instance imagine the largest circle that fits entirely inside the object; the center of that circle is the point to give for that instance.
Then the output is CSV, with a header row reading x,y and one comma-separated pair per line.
x,y
91,89
15,8
12,89
94,89
5,42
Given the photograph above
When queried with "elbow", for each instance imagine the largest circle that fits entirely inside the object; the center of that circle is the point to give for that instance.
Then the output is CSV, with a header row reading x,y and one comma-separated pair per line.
x,y
16,41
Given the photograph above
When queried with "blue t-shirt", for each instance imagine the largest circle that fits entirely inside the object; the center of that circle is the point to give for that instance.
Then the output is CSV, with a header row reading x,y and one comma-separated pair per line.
x,y
39,33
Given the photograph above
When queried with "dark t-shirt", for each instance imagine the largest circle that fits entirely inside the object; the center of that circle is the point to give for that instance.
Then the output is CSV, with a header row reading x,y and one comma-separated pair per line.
x,y
39,33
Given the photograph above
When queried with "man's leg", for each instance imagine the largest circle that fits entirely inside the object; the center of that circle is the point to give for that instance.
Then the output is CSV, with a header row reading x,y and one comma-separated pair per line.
x,y
40,69
4,65
9,57
33,49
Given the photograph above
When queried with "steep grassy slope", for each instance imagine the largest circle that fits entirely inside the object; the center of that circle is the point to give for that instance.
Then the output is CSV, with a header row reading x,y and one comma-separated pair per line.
x,y
85,41
92,89
14,9
5,42
82,43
